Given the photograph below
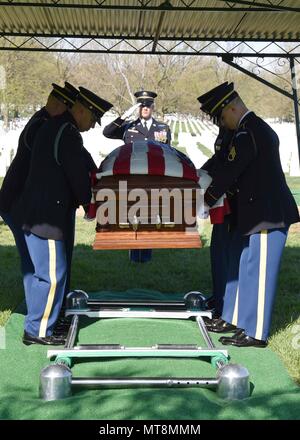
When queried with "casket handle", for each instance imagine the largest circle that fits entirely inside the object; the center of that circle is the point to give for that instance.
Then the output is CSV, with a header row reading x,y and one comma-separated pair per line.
x,y
124,225
169,224
135,223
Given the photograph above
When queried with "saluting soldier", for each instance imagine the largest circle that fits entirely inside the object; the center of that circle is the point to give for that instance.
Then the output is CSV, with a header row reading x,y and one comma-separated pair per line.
x,y
265,210
142,129
221,233
57,183
13,184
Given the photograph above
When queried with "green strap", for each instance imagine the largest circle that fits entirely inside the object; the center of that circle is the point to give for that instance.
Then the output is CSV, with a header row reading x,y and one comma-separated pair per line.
x,y
57,139
29,125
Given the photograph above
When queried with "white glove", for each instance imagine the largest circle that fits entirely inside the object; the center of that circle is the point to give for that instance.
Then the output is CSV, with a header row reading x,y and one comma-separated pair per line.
x,y
130,111
203,210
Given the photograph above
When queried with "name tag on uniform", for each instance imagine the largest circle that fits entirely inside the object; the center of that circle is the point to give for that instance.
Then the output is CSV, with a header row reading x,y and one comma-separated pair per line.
x,y
132,130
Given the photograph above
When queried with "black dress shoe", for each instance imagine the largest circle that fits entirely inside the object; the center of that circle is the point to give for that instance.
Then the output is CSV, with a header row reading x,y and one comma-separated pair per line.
x,y
226,340
244,340
208,321
62,326
61,332
220,326
47,340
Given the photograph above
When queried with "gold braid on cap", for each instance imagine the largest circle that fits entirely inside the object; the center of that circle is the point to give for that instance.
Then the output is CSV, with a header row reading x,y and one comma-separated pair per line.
x,y
221,101
93,104
66,97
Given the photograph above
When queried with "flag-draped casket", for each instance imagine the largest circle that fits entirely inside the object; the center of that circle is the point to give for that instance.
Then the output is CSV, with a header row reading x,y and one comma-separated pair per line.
x,y
146,195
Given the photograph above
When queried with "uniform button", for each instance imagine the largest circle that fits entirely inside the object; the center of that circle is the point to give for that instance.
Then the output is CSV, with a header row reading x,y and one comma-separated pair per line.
x,y
237,190
146,139
58,202
251,199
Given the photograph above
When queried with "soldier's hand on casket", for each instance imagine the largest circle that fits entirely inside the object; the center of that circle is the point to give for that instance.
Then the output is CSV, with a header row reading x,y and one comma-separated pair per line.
x,y
203,210
130,111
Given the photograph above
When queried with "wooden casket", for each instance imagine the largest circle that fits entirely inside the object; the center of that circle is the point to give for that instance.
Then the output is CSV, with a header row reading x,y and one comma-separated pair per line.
x,y
158,224
142,211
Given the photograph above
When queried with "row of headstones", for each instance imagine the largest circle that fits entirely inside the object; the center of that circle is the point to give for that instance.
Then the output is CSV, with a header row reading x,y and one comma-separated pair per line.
x,y
193,131
193,126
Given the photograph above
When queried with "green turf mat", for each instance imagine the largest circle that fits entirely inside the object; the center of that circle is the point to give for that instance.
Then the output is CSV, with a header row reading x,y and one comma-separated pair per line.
x,y
274,395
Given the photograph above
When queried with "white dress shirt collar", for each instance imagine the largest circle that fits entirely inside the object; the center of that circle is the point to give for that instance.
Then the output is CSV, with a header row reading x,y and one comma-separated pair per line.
x,y
148,122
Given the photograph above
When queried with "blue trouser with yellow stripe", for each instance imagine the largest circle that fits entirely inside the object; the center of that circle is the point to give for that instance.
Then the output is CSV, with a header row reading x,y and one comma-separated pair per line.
x,y
254,263
45,296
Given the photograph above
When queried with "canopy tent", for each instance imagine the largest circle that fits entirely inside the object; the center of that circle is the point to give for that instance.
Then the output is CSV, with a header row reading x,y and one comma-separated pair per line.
x,y
255,30
140,19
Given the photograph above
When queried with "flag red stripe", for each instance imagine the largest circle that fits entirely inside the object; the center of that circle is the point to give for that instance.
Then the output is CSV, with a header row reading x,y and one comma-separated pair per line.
x,y
122,162
156,160
217,215
188,172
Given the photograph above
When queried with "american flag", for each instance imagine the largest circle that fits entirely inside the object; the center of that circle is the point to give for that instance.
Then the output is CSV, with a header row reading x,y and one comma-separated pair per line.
x,y
149,158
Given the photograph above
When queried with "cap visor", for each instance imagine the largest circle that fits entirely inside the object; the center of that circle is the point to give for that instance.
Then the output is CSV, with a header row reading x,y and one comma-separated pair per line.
x,y
146,103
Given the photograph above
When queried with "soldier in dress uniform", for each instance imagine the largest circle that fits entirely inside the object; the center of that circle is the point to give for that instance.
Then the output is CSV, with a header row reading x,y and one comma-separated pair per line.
x,y
221,233
70,232
13,184
265,210
142,129
58,182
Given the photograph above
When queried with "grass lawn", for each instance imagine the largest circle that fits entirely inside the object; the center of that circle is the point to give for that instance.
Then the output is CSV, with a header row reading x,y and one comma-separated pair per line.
x,y
169,271
294,184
